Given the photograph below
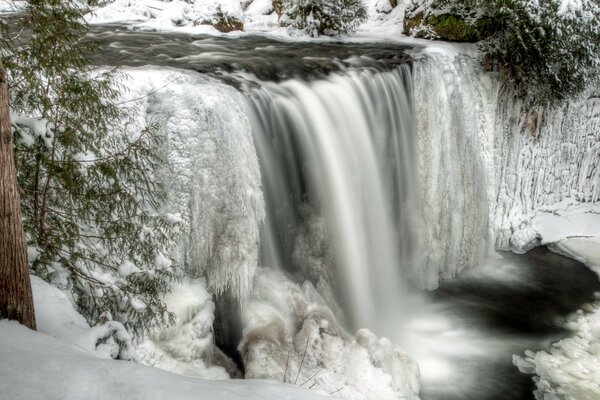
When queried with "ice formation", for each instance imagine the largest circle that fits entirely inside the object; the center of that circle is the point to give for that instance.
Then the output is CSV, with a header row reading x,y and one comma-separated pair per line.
x,y
453,111
546,157
570,369
186,347
291,335
213,178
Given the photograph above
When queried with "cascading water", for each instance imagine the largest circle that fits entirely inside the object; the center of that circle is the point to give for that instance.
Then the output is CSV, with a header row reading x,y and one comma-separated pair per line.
x,y
344,147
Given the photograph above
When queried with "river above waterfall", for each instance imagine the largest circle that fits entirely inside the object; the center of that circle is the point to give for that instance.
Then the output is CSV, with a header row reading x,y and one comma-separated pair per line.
x,y
264,58
336,143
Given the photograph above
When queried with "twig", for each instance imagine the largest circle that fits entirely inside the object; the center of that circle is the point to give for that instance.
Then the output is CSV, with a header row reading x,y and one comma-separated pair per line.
x,y
336,391
306,381
301,362
286,367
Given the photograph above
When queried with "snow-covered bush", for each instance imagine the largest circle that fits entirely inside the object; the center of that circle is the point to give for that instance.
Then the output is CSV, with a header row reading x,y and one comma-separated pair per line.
x,y
224,22
90,199
324,17
549,49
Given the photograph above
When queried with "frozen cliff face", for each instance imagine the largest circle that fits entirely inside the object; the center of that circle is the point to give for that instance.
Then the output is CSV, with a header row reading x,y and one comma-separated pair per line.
x,y
453,117
538,170
292,336
548,157
213,178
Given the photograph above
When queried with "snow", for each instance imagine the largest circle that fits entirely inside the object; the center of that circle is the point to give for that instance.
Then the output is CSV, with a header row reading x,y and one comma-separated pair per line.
x,y
258,17
11,6
569,7
566,219
583,249
37,366
56,316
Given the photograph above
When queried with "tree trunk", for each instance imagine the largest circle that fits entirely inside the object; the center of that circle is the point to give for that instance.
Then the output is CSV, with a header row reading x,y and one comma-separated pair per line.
x,y
16,300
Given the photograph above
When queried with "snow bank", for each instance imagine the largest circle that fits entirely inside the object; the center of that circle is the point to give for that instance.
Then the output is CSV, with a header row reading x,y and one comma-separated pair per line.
x,y
292,336
213,179
258,16
55,315
583,249
36,366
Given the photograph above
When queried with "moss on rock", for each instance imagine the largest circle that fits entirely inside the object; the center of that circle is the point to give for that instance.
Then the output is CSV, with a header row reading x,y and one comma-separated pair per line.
x,y
449,27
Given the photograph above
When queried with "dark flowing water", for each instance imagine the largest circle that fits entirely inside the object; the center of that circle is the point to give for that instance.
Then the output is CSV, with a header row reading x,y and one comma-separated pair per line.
x,y
515,303
266,59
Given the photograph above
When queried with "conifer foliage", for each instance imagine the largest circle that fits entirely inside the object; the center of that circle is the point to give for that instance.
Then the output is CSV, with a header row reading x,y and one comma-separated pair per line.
x,y
90,199
550,49
324,17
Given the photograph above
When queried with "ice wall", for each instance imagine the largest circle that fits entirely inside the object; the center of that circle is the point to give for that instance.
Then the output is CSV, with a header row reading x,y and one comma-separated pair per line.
x,y
537,169
213,177
547,157
453,114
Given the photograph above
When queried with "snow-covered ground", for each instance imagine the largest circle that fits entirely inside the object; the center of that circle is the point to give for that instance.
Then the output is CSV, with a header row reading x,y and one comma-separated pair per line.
x,y
37,366
258,17
9,6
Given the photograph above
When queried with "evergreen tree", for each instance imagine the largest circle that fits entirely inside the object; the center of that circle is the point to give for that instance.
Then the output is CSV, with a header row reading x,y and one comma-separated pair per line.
x,y
324,17
16,301
91,202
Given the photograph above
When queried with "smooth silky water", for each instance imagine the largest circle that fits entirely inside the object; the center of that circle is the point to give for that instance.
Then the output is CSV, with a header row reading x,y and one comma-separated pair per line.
x,y
339,131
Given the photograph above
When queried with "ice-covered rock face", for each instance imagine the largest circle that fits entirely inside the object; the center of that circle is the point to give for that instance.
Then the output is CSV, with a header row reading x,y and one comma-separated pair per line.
x,y
213,178
453,111
547,157
538,170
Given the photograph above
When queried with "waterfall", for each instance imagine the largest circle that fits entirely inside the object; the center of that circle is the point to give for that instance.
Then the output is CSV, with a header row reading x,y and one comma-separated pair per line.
x,y
390,173
342,148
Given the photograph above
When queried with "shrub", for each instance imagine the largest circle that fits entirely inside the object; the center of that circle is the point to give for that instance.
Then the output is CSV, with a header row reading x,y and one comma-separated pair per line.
x,y
90,200
324,17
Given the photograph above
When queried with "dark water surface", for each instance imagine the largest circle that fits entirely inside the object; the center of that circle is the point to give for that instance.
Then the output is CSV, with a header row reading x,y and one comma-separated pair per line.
x,y
518,302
